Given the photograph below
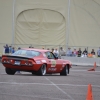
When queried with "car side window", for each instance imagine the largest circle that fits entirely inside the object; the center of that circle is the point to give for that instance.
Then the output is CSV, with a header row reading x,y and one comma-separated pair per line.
x,y
50,55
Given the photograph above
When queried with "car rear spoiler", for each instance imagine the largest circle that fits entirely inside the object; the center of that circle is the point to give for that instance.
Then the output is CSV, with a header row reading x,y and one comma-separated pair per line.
x,y
16,56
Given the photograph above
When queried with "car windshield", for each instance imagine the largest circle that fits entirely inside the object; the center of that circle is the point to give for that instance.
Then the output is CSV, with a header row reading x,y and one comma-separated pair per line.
x,y
28,53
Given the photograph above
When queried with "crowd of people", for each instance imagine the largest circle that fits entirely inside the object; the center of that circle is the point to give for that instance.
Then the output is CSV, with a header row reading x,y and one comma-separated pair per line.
x,y
60,52
76,53
84,53
9,49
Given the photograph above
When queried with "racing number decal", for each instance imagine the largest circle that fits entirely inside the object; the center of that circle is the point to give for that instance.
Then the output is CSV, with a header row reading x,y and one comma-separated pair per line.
x,y
53,63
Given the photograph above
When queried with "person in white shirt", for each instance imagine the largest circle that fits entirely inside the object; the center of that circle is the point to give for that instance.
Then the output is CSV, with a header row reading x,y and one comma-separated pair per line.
x,y
56,52
62,52
69,52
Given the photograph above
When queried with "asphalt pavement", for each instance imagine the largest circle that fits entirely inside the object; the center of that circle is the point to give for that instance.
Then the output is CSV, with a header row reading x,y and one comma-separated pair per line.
x,y
26,86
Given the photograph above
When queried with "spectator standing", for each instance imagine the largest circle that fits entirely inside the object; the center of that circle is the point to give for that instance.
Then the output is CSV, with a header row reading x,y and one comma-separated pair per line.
x,y
48,49
93,52
52,50
98,52
13,50
85,52
62,52
69,52
30,46
74,52
79,52
10,49
6,49
56,52
19,48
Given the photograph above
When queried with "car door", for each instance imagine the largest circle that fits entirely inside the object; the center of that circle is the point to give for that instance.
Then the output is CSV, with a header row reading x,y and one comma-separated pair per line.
x,y
54,64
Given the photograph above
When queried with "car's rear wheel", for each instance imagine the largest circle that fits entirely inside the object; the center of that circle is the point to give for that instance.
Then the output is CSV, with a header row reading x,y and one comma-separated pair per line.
x,y
10,71
64,71
42,70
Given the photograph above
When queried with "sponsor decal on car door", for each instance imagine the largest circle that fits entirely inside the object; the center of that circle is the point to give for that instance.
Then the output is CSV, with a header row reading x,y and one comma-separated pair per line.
x,y
53,63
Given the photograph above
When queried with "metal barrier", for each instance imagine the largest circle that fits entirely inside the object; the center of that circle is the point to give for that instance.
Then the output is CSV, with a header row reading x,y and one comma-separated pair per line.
x,y
83,61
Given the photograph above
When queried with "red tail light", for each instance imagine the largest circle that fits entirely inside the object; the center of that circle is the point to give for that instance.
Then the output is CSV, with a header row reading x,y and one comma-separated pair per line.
x,y
6,61
28,63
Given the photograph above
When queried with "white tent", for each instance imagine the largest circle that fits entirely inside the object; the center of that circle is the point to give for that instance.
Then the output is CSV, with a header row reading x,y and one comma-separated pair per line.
x,y
45,22
40,22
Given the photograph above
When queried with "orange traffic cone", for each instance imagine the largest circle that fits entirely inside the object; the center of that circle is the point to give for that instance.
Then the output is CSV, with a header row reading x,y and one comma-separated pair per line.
x,y
89,93
93,69
95,65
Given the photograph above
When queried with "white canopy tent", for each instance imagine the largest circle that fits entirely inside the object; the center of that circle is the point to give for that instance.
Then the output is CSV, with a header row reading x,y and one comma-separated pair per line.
x,y
46,22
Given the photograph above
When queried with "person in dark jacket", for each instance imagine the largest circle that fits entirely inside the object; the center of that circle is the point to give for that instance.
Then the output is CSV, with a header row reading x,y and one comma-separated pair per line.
x,y
93,52
85,52
6,49
79,52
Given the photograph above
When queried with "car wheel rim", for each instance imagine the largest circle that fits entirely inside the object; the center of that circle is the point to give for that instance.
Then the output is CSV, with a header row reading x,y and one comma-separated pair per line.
x,y
43,70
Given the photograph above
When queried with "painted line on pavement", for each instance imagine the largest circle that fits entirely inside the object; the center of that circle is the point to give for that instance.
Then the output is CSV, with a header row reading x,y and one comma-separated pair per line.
x,y
59,88
15,83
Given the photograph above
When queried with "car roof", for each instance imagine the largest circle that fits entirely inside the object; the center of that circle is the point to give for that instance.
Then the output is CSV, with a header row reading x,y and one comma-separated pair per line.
x,y
39,50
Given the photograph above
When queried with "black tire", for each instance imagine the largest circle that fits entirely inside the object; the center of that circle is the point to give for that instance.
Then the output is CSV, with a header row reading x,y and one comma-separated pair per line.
x,y
34,73
42,70
64,71
10,71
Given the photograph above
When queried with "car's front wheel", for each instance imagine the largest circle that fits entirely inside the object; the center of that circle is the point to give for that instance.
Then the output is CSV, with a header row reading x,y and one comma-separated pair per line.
x,y
42,70
10,71
64,71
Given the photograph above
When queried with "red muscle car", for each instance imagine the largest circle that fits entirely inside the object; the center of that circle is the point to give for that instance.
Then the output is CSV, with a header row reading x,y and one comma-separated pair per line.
x,y
36,61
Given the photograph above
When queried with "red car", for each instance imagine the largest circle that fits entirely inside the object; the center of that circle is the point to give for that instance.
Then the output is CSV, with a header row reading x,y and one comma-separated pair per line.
x,y
36,61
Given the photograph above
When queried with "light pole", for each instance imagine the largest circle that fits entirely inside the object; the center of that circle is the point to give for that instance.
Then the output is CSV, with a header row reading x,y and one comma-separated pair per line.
x,y
13,22
68,25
